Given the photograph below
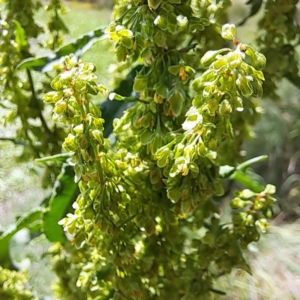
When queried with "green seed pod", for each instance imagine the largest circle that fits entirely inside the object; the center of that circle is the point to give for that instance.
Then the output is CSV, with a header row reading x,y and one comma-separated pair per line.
x,y
88,214
121,53
219,189
174,194
220,65
133,208
171,218
147,29
268,213
97,135
79,240
154,4
225,107
57,83
249,220
233,250
237,203
234,59
246,194
243,84
161,22
198,84
147,55
127,42
212,107
53,97
176,102
60,107
194,168
182,23
157,142
239,218
146,137
70,143
209,239
238,104
150,227
210,56
78,172
270,189
221,240
83,142
259,61
174,70
228,32
161,90
186,206
258,205
164,158
263,224
160,39
257,88
140,83
172,22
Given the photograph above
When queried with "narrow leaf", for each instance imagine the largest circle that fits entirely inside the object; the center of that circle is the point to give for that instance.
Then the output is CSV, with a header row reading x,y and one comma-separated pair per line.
x,y
64,194
26,221
247,181
59,158
217,292
20,35
114,109
255,6
78,47
226,171
243,166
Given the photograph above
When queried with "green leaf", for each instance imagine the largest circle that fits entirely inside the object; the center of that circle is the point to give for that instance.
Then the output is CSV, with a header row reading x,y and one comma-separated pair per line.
x,y
117,97
250,162
255,6
226,171
217,292
62,198
78,47
58,158
114,109
174,70
228,32
176,102
20,35
210,56
247,181
26,221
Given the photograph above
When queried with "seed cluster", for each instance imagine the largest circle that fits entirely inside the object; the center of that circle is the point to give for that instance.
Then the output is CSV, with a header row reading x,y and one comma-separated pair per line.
x,y
146,222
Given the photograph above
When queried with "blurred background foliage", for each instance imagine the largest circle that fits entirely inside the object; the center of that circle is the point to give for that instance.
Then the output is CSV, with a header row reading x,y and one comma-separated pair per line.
x,y
276,269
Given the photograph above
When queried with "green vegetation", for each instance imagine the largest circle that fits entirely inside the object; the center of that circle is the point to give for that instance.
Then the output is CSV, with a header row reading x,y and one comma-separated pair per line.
x,y
165,203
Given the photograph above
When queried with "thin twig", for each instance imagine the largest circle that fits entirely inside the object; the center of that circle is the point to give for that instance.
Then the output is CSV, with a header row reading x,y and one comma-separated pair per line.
x,y
34,96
